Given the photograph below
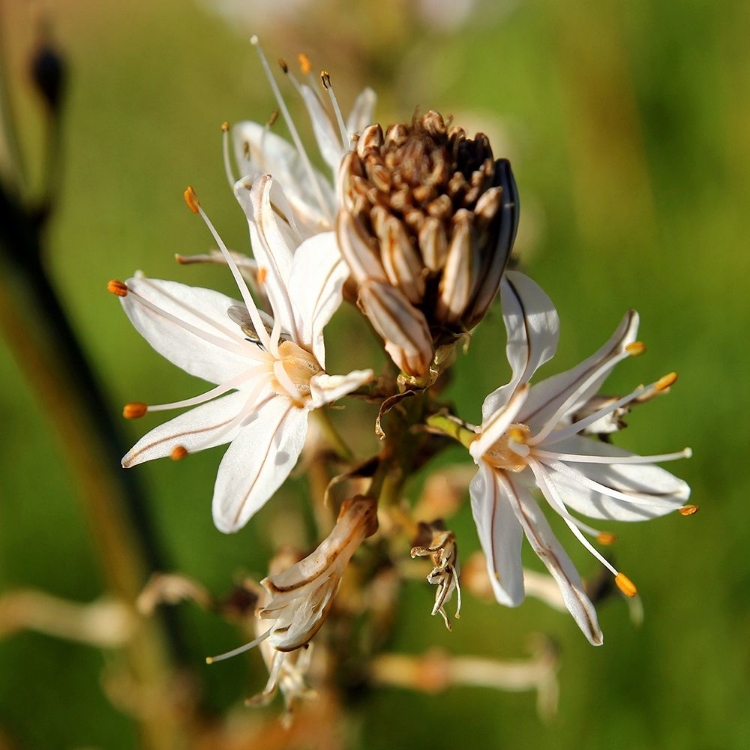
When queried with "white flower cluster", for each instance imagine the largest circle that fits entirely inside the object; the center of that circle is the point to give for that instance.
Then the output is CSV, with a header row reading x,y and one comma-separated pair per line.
x,y
419,221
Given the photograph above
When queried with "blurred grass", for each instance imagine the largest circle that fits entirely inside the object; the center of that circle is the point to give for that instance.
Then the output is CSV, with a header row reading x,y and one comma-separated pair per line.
x,y
629,132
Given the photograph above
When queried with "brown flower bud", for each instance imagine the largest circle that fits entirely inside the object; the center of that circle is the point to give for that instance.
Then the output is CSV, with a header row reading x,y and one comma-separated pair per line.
x,y
431,214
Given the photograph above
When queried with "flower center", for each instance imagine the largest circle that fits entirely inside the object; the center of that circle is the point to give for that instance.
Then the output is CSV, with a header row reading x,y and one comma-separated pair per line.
x,y
510,452
293,371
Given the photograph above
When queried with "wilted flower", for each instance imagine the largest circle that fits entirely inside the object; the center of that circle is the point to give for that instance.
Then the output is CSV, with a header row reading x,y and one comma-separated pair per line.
x,y
440,545
530,437
302,595
275,366
427,223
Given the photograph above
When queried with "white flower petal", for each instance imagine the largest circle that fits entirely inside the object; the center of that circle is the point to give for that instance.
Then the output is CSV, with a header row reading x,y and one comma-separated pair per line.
x,y
655,491
191,429
549,395
326,134
190,327
258,461
317,277
500,535
551,553
533,331
362,112
326,388
496,425
259,151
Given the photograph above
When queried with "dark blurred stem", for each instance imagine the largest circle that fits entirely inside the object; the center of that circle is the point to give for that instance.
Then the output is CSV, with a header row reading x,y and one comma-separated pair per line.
x,y
57,371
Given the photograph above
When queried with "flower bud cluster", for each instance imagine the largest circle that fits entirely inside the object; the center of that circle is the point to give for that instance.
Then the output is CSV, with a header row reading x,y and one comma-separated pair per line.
x,y
426,223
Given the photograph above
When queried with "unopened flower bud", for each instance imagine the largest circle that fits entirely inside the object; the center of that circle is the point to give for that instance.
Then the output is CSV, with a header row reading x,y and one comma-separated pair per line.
x,y
431,214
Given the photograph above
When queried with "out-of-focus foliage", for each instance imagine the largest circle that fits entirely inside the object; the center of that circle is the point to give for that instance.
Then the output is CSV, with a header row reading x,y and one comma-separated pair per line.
x,y
628,130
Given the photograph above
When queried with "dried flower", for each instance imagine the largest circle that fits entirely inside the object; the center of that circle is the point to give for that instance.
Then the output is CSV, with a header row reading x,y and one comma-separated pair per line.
x,y
440,545
530,436
275,366
427,223
302,595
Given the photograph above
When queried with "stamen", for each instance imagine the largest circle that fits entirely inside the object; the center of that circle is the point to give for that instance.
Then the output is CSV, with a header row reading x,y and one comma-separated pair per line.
x,y
262,275
272,119
178,453
225,152
134,410
240,650
606,538
203,397
688,510
584,459
328,86
636,348
120,288
292,130
192,201
553,421
625,585
666,382
547,486
304,63
581,424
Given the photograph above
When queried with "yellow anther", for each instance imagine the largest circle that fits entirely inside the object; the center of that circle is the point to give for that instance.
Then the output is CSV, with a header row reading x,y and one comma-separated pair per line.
x,y
134,410
271,122
625,585
668,380
120,288
325,78
224,127
605,537
178,453
516,434
304,63
688,510
282,64
191,199
209,660
636,348
262,275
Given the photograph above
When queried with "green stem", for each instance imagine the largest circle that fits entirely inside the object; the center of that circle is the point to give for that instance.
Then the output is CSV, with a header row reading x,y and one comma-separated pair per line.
x,y
453,428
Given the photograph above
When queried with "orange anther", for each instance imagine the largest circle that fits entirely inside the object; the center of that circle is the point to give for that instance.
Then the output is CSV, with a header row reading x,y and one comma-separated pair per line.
x,y
191,199
120,288
605,537
635,348
304,63
134,410
178,453
668,380
688,510
224,127
625,585
262,275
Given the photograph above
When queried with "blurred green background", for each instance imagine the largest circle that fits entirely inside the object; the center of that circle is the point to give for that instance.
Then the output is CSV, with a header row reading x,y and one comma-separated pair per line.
x,y
628,125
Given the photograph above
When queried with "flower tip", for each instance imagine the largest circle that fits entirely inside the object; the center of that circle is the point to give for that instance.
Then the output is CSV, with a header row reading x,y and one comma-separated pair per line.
x,y
625,585
636,348
134,410
666,382
178,453
688,510
191,199
119,288
606,538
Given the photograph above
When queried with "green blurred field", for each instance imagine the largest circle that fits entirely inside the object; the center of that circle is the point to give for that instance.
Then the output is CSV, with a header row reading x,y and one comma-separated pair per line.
x,y
628,125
